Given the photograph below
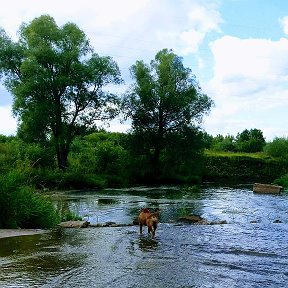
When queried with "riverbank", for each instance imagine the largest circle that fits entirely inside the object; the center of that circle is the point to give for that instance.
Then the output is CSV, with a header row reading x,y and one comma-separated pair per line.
x,y
4,233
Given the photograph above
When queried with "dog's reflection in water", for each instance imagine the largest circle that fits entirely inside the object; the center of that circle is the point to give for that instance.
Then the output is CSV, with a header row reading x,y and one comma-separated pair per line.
x,y
147,244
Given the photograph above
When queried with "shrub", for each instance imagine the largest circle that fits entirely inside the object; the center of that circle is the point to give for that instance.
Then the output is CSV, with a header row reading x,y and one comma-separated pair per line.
x,y
250,141
282,181
70,216
70,179
33,210
21,206
278,148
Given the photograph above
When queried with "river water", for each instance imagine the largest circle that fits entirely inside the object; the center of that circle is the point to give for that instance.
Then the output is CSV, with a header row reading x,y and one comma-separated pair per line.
x,y
241,253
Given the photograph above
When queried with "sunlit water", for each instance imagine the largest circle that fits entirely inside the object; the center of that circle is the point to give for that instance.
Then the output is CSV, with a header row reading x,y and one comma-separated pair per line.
x,y
237,254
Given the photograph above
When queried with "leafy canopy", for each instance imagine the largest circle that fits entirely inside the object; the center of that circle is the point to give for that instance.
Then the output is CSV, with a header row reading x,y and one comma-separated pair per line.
x,y
166,96
57,82
166,107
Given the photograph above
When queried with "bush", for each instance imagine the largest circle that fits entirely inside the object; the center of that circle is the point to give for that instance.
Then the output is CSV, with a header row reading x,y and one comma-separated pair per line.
x,y
250,146
250,141
282,181
33,210
278,148
21,206
70,216
102,154
70,179
226,145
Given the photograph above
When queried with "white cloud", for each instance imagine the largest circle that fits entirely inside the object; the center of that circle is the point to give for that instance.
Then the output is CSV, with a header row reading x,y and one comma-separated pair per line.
x,y
117,126
8,124
284,23
125,28
250,83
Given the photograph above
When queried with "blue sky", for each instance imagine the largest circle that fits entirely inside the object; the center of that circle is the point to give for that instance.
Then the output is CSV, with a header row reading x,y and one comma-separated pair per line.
x,y
236,48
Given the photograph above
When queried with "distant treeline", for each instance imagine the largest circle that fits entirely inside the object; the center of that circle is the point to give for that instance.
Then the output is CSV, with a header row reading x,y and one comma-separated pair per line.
x,y
248,141
102,159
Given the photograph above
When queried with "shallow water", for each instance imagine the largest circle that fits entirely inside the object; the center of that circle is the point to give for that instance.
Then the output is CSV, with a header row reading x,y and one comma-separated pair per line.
x,y
238,254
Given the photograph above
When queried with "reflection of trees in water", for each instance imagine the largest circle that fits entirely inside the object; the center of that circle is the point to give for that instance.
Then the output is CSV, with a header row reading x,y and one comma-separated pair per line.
x,y
169,211
80,206
124,206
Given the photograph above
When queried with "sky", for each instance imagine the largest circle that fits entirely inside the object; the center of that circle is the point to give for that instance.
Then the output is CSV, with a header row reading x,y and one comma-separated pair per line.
x,y
237,49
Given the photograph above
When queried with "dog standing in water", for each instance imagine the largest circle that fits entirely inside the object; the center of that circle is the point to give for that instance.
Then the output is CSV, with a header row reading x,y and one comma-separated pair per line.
x,y
146,218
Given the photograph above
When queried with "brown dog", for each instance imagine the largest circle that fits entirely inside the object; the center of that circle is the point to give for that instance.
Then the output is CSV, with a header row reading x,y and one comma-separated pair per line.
x,y
146,218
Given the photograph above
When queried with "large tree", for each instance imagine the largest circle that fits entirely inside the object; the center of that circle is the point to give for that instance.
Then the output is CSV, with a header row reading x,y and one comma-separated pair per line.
x,y
165,103
57,82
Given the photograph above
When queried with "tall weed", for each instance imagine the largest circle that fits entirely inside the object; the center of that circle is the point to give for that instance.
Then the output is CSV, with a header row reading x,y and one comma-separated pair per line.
x,y
21,206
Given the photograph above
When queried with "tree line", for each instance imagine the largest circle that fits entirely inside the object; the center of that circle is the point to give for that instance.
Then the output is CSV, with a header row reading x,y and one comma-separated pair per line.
x,y
249,141
59,87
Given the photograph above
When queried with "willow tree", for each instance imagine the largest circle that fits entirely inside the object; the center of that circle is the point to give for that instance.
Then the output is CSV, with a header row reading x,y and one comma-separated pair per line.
x,y
166,106
57,82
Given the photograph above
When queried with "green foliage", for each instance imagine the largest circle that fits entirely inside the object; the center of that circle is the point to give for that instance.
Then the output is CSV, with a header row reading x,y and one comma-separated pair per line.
x,y
245,167
21,206
282,181
16,153
179,163
6,139
101,154
250,141
221,143
57,82
278,148
33,210
69,179
166,106
207,140
70,216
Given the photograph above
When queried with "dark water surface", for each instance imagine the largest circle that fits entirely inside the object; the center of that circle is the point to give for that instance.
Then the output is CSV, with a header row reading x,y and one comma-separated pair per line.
x,y
237,254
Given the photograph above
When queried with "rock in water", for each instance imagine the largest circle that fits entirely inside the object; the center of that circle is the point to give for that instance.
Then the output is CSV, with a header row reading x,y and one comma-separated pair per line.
x,y
74,224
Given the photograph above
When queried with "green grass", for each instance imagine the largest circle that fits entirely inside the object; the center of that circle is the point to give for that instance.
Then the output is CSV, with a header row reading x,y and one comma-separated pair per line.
x,y
244,167
21,206
258,155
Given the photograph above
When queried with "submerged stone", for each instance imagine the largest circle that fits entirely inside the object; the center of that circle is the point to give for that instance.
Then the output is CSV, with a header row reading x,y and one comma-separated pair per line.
x,y
198,220
74,224
190,218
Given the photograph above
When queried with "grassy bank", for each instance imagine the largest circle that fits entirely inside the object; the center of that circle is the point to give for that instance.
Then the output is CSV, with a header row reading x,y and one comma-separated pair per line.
x,y
241,167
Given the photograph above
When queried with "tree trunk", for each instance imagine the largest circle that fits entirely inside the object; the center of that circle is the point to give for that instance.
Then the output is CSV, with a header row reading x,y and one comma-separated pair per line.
x,y
62,156
61,145
158,148
156,162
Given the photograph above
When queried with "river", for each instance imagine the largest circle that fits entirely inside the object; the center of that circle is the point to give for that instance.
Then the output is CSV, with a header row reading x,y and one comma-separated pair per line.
x,y
250,251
